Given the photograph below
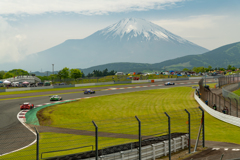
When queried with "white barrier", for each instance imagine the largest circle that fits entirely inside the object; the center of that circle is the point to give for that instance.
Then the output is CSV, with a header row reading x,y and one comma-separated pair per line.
x,y
148,152
221,116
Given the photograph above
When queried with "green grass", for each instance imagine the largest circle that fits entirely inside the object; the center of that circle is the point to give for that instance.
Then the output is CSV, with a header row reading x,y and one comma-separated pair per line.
x,y
115,114
211,85
237,92
151,103
53,142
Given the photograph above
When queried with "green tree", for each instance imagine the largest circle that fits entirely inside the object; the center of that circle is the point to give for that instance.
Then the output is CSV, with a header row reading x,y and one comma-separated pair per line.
x,y
60,74
7,75
18,72
222,69
210,68
2,74
65,72
229,67
185,69
75,73
44,78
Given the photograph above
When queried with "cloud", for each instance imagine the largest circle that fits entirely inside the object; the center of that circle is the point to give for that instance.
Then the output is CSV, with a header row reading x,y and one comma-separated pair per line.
x,y
12,46
86,7
209,31
192,22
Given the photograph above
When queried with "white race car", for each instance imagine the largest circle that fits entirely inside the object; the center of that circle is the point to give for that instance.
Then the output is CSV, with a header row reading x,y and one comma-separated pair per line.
x,y
169,83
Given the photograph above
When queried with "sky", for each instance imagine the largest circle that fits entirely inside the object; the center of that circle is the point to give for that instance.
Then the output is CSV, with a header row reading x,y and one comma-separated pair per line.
x,y
31,26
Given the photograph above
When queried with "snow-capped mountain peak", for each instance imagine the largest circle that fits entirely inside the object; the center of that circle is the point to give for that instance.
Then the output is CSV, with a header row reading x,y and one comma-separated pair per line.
x,y
135,27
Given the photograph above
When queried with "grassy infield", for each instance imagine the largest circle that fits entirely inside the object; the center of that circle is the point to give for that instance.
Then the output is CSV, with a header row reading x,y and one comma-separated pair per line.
x,y
150,103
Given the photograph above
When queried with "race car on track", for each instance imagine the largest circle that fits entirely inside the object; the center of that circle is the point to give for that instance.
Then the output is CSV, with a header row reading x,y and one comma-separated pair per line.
x,y
26,105
169,83
89,91
55,98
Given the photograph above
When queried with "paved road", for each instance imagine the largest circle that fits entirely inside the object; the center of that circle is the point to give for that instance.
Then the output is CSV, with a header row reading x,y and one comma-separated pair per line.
x,y
10,127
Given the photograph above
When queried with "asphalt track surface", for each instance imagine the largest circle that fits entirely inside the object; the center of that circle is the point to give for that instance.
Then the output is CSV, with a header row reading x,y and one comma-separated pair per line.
x,y
13,135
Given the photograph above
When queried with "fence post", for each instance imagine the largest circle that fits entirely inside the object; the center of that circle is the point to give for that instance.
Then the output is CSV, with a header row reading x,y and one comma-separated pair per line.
x,y
224,102
169,135
219,102
236,105
215,95
189,131
230,105
37,145
96,140
203,127
139,138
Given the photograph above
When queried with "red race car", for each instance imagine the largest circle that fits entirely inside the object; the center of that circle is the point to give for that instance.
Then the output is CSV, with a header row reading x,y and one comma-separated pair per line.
x,y
26,105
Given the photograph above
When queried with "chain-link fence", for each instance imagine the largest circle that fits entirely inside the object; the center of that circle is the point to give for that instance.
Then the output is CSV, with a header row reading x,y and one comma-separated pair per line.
x,y
234,78
142,136
220,103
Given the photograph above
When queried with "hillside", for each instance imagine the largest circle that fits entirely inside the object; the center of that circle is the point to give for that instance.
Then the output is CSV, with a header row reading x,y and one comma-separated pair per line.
x,y
220,57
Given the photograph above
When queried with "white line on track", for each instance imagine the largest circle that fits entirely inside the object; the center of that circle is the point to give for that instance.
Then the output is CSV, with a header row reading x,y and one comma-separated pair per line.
x,y
28,129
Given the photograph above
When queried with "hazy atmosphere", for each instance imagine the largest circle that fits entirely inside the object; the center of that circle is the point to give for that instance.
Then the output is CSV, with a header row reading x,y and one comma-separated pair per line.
x,y
29,27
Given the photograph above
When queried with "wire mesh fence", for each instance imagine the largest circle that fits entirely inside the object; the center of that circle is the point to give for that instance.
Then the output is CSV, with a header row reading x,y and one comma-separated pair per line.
x,y
234,78
113,138
223,103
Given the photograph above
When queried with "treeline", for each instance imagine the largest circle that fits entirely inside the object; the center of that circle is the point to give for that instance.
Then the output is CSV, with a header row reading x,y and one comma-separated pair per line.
x,y
98,73
209,68
67,73
12,73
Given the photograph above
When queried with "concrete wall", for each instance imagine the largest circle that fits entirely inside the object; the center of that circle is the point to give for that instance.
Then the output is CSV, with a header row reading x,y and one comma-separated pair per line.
x,y
63,86
18,89
141,81
43,87
122,82
104,83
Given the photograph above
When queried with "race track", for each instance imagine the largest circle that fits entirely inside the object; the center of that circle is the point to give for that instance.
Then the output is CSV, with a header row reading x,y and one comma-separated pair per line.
x,y
14,135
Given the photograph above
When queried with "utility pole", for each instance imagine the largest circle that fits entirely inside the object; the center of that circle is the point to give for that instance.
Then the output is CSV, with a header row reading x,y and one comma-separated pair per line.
x,y
53,68
53,72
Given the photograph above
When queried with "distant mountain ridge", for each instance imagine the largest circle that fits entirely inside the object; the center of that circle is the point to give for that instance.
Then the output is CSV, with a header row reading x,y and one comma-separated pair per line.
x,y
219,57
129,40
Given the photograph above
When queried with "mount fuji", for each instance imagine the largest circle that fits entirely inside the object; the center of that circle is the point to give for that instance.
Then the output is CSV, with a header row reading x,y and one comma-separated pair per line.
x,y
129,40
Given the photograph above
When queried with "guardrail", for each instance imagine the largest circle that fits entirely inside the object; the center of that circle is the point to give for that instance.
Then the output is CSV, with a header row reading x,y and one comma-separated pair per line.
x,y
223,117
149,152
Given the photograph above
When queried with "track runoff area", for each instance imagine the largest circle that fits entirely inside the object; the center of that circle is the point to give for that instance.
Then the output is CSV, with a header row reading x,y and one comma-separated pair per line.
x,y
10,124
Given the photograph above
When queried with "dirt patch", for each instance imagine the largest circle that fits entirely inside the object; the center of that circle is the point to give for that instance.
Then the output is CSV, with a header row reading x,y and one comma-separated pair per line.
x,y
43,119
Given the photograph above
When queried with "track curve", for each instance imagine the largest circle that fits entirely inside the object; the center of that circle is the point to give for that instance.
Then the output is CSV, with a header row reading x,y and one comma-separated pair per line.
x,y
10,127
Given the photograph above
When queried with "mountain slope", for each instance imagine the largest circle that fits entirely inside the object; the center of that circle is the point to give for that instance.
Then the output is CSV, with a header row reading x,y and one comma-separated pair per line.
x,y
129,40
220,57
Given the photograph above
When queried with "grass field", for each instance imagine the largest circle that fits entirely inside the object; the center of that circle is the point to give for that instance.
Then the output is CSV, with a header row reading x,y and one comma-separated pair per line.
x,y
66,141
147,103
237,92
114,114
